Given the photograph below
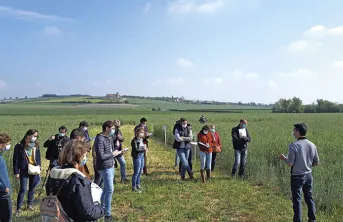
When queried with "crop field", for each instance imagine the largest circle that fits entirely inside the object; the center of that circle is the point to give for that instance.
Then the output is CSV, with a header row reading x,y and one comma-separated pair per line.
x,y
264,195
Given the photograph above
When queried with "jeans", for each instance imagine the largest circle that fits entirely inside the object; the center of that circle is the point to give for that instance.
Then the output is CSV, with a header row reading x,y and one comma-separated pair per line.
x,y
138,165
304,183
97,177
53,163
190,164
33,181
240,159
184,155
213,164
5,208
122,163
205,159
106,197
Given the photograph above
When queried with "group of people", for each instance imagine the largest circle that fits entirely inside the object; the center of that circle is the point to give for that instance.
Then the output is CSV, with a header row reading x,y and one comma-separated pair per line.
x,y
69,174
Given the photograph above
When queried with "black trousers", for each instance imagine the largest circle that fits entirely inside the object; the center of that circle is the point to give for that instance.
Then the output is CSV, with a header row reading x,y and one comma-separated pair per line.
x,y
5,208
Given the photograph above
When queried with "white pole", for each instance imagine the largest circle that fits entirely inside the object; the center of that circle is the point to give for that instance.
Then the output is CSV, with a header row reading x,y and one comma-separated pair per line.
x,y
165,135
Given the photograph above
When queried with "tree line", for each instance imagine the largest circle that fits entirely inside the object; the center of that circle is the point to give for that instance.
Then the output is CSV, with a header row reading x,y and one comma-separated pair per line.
x,y
295,105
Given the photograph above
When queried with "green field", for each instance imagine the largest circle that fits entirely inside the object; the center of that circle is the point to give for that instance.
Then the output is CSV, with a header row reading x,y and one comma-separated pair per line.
x,y
263,196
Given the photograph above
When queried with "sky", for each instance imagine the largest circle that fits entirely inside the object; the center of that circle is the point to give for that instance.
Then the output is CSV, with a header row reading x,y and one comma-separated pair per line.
x,y
223,50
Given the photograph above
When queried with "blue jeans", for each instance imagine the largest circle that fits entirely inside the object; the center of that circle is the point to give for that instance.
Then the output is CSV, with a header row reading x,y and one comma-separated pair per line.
x,y
106,197
122,164
138,165
241,160
33,181
205,159
184,155
5,208
304,183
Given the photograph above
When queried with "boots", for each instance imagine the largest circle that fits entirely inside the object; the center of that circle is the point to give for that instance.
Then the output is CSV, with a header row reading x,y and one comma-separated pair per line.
x,y
145,171
208,174
191,176
202,176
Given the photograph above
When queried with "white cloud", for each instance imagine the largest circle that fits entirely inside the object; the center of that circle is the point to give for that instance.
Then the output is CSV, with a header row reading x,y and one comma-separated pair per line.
x,y
298,45
22,14
272,84
176,81
184,63
299,74
205,81
189,6
51,30
3,84
218,80
147,7
338,63
251,76
321,31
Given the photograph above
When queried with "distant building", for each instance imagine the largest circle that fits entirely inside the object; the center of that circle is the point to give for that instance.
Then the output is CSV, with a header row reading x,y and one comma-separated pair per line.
x,y
113,95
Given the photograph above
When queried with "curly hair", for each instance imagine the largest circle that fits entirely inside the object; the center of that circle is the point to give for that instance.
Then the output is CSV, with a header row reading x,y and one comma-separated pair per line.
x,y
73,152
4,138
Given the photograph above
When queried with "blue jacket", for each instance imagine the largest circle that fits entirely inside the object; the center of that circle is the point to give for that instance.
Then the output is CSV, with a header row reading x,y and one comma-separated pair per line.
x,y
20,160
104,148
75,196
4,178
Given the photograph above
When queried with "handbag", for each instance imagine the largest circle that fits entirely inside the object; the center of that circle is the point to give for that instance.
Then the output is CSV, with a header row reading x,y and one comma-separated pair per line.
x,y
217,149
32,169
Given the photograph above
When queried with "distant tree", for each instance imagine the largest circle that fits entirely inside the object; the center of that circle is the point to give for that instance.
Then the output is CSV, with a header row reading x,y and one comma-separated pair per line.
x,y
16,97
159,109
11,97
153,109
25,97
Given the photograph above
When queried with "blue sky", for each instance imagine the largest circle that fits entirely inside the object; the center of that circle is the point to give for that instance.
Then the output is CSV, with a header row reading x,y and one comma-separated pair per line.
x,y
226,50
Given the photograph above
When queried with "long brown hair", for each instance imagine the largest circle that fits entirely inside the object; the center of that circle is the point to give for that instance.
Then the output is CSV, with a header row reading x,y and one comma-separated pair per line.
x,y
30,132
73,152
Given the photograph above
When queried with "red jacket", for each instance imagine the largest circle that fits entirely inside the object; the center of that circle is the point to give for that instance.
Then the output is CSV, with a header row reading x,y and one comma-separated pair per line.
x,y
216,140
205,138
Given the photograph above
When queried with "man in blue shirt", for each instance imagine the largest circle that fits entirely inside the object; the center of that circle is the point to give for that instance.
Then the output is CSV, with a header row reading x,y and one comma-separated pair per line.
x,y
302,156
5,186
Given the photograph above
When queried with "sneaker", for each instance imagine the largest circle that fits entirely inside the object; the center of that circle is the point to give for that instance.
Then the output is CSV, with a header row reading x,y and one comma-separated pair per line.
x,y
17,214
139,187
30,208
136,190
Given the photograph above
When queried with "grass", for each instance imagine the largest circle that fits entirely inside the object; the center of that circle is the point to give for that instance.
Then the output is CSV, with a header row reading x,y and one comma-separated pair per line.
x,y
265,194
165,198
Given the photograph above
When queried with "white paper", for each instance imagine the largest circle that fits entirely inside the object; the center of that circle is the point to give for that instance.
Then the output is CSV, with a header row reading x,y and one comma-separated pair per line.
x,y
242,132
96,193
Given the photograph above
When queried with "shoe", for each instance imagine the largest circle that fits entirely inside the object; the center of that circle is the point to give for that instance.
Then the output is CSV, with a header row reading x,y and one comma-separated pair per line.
x,y
208,174
136,190
124,180
202,176
108,219
17,214
30,208
191,176
138,187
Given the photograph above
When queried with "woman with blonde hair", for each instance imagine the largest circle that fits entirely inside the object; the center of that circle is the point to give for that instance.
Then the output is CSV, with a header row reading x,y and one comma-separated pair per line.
x,y
68,183
217,144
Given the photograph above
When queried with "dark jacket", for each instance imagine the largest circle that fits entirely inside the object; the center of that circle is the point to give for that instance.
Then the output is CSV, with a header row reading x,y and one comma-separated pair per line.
x,y
104,148
75,195
54,147
146,130
87,138
20,160
4,178
118,143
239,143
183,132
136,147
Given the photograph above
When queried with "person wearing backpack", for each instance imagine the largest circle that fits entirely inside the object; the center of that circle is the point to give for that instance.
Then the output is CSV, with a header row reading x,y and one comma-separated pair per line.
x,y
5,184
68,183
182,143
55,144
26,167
